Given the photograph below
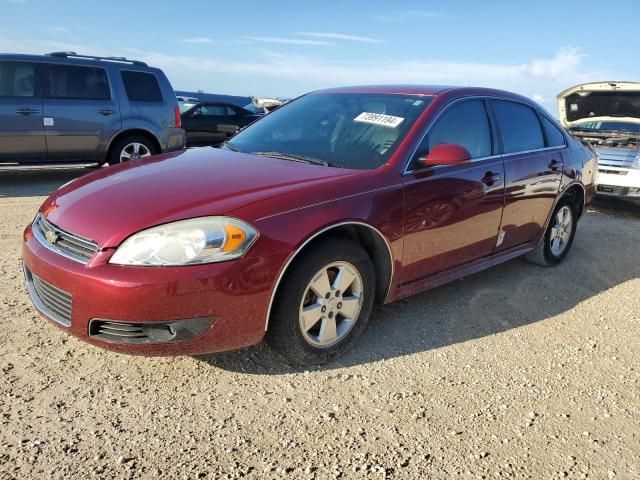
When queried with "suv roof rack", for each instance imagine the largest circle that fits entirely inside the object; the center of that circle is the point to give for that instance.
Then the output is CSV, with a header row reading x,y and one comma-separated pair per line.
x,y
92,57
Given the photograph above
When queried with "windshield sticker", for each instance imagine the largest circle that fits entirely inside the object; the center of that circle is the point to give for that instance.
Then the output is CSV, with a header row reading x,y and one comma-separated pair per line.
x,y
388,121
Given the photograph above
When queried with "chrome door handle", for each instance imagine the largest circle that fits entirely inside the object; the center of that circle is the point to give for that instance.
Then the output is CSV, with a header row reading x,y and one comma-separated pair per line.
x,y
555,165
27,111
106,111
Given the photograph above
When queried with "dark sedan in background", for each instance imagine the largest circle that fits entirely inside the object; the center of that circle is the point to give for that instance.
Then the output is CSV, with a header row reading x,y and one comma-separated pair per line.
x,y
211,123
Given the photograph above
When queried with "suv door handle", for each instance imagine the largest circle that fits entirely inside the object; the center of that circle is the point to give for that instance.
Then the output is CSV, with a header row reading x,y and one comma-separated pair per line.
x,y
106,111
490,178
27,111
555,165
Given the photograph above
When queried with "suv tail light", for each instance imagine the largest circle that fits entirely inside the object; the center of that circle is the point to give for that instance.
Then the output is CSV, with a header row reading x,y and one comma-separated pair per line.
x,y
178,117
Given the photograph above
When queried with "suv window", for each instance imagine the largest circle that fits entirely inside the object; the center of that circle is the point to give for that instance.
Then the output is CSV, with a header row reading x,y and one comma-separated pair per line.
x,y
466,124
141,86
519,126
72,81
554,136
17,79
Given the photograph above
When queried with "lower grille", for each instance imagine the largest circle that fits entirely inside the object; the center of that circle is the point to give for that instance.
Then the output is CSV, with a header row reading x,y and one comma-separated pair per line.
x,y
51,301
613,189
148,332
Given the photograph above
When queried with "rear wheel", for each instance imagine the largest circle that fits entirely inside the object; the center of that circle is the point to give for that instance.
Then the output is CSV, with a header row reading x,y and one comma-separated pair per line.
x,y
323,304
130,148
559,236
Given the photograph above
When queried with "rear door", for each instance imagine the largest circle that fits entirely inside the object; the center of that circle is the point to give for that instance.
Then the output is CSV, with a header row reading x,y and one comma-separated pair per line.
x,y
22,137
210,124
80,112
452,213
533,170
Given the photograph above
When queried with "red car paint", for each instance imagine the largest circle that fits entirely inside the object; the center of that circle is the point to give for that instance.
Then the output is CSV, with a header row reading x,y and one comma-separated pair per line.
x,y
288,203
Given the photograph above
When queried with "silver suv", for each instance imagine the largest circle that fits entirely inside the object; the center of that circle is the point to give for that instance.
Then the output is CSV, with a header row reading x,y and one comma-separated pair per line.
x,y
65,108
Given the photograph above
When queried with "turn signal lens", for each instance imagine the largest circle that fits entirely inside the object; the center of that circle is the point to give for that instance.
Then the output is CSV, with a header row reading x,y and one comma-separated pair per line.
x,y
235,238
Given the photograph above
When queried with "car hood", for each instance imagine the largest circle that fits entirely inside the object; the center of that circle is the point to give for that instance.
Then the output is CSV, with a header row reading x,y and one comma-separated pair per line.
x,y
109,205
603,101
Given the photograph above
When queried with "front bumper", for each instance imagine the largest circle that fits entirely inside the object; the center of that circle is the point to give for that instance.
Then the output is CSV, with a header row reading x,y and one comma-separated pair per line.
x,y
234,295
619,181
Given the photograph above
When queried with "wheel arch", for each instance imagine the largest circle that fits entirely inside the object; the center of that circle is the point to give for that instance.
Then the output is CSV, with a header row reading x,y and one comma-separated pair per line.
x,y
131,132
577,192
365,235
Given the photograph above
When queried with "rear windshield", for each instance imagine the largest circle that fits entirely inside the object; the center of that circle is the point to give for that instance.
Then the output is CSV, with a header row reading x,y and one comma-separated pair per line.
x,y
350,130
602,104
141,86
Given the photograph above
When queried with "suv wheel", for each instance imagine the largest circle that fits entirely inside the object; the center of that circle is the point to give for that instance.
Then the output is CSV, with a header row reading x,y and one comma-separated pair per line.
x,y
130,148
323,304
559,236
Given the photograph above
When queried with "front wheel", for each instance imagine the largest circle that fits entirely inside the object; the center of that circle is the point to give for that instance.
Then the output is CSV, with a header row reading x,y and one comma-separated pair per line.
x,y
323,303
558,237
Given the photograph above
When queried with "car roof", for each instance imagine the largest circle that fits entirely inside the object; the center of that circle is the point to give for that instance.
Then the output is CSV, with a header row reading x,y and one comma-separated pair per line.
x,y
68,59
428,90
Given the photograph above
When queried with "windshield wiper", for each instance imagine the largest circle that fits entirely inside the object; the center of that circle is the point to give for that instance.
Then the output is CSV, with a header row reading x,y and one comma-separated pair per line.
x,y
230,146
293,157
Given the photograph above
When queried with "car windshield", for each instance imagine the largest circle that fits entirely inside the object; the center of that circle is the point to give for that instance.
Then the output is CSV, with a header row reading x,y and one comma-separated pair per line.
x,y
349,130
609,126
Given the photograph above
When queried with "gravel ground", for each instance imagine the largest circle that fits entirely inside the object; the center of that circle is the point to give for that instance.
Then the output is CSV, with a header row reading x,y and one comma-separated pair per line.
x,y
515,372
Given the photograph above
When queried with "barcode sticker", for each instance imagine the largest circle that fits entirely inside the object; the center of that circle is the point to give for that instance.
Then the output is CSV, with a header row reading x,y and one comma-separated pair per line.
x,y
379,119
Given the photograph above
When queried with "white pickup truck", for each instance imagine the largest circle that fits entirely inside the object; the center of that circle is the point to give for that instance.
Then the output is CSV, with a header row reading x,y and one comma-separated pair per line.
x,y
607,115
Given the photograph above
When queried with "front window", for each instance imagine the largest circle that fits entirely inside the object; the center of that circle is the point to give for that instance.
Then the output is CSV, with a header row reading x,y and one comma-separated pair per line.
x,y
608,127
349,130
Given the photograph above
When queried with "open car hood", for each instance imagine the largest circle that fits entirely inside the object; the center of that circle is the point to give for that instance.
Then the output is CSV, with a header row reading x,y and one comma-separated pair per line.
x,y
603,101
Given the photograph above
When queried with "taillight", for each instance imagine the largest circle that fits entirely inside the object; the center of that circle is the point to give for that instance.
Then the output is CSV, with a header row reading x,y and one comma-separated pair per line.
x,y
178,117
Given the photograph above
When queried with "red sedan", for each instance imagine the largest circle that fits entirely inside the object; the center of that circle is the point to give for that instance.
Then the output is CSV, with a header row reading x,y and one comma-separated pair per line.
x,y
294,229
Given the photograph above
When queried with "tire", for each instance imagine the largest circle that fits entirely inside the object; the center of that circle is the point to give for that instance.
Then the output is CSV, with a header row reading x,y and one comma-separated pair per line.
x,y
146,148
315,345
547,253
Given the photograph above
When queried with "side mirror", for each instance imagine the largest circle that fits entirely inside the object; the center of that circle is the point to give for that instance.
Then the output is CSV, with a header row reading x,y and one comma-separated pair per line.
x,y
445,154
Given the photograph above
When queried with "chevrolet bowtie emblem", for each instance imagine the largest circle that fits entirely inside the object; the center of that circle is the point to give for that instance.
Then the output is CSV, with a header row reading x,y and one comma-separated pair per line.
x,y
51,236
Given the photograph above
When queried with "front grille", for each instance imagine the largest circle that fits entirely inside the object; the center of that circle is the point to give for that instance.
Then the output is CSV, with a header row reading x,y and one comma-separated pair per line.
x,y
72,246
52,301
616,157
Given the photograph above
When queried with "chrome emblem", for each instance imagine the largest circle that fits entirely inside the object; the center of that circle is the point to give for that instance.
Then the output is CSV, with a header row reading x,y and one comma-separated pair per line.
x,y
51,236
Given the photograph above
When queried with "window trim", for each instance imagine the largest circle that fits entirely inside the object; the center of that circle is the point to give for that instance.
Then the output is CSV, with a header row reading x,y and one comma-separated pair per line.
x,y
124,85
46,87
37,90
494,128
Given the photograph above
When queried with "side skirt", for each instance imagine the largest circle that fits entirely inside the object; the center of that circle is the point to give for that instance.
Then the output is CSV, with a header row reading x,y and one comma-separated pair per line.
x,y
438,279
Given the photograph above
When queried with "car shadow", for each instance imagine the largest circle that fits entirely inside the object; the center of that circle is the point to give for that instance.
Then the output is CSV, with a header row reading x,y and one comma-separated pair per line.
x,y
30,183
508,296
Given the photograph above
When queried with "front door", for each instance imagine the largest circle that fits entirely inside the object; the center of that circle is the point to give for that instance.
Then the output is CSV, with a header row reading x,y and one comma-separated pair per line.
x,y
452,213
80,115
22,137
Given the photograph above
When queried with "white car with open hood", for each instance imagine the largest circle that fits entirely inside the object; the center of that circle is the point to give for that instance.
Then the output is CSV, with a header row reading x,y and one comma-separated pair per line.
x,y
607,115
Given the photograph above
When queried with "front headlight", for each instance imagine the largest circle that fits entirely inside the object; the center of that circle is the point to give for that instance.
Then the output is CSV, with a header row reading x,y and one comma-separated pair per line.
x,y
187,242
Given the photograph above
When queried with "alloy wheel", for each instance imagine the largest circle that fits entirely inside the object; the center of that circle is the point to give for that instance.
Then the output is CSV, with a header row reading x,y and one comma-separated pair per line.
x,y
331,304
561,231
134,150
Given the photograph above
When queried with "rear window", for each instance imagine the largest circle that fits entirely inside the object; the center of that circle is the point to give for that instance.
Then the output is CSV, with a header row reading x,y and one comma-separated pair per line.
x,y
70,81
554,136
141,87
519,127
17,79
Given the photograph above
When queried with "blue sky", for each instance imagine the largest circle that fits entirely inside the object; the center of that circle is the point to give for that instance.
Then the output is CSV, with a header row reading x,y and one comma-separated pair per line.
x,y
286,48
